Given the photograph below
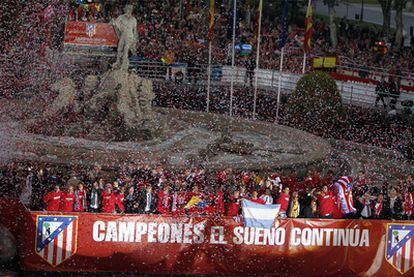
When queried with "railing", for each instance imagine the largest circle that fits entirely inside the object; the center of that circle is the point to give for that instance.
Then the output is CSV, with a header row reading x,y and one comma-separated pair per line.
x,y
359,94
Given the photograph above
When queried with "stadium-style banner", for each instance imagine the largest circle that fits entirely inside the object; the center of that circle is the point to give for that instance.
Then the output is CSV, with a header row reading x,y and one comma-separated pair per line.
x,y
208,245
324,62
90,34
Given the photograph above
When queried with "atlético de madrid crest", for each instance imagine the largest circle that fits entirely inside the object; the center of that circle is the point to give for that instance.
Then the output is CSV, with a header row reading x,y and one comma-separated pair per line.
x,y
56,237
400,246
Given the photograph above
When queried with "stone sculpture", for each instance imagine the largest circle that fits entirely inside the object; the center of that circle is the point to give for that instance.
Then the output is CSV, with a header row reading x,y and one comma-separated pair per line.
x,y
126,28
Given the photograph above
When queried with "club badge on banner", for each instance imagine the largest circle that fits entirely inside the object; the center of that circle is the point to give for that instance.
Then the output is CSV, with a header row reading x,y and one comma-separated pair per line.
x,y
400,246
56,238
90,34
157,244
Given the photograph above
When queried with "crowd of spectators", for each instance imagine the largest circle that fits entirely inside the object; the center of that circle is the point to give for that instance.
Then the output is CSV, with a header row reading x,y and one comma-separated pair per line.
x,y
172,33
164,27
140,188
360,125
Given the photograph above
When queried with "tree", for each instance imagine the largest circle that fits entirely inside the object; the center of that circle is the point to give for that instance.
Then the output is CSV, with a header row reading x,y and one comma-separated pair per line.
x,y
386,6
315,103
399,5
250,9
332,24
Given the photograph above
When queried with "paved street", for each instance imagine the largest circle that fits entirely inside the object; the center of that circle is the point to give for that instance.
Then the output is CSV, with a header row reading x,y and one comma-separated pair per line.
x,y
372,14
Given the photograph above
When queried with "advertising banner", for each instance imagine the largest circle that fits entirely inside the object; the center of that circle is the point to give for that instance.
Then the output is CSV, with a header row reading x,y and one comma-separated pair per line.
x,y
324,62
90,34
207,245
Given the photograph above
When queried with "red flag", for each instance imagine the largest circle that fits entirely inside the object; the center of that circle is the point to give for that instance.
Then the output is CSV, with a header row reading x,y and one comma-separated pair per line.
x,y
309,28
211,20
256,19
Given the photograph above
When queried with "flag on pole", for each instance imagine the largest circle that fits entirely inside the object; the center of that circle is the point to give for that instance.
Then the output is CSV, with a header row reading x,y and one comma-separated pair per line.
x,y
211,21
309,28
257,18
257,57
231,17
284,24
259,215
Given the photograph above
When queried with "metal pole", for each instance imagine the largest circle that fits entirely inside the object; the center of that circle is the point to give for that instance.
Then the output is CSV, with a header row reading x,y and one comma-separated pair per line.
x,y
181,9
352,91
232,58
304,63
304,52
257,60
279,87
362,11
208,77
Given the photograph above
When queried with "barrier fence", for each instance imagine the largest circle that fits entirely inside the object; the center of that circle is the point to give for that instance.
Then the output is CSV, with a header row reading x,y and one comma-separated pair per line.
x,y
357,83
354,91
157,244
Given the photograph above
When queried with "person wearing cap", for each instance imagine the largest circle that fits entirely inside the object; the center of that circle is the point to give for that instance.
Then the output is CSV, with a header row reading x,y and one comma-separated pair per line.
x,y
52,199
108,200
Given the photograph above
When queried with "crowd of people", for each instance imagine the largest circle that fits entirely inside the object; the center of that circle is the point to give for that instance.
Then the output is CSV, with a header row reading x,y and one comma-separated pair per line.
x,y
360,125
172,33
166,27
142,189
181,32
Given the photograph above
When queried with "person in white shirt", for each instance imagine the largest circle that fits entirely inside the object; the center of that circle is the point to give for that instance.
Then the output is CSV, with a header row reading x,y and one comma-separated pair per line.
x,y
267,198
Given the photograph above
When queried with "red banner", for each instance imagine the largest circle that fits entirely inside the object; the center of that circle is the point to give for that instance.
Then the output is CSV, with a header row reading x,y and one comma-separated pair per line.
x,y
90,34
180,245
